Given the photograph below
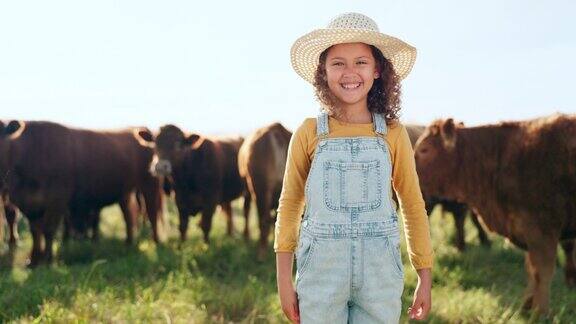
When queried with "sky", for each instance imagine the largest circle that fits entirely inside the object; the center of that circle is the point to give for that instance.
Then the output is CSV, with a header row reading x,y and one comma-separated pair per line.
x,y
223,67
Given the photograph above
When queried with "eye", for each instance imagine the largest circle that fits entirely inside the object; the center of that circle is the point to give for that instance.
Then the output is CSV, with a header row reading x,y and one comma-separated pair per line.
x,y
362,62
337,64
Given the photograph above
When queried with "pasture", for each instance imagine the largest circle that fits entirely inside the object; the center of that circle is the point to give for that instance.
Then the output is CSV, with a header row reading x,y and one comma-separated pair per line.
x,y
222,283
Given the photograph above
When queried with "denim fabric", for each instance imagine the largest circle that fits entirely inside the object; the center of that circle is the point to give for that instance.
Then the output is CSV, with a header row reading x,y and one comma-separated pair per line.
x,y
348,261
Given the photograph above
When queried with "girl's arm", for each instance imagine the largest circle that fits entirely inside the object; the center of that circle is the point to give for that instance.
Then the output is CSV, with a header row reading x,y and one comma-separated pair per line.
x,y
416,226
407,187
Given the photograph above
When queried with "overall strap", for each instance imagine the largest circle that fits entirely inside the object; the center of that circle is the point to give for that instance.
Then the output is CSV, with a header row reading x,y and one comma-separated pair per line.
x,y
379,124
322,125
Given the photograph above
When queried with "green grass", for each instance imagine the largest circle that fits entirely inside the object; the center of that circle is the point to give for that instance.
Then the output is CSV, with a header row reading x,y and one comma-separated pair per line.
x,y
222,283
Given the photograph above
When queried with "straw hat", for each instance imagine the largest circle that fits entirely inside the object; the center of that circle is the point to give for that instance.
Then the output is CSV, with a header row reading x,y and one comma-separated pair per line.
x,y
349,28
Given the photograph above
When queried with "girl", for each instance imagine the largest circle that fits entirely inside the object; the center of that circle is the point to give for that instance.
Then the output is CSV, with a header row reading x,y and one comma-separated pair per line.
x,y
342,167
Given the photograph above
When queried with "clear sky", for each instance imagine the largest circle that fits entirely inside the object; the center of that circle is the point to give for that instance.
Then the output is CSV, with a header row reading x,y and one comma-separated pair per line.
x,y
221,67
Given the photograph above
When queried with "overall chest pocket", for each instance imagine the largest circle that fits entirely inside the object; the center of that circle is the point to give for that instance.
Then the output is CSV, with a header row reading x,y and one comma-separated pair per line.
x,y
352,186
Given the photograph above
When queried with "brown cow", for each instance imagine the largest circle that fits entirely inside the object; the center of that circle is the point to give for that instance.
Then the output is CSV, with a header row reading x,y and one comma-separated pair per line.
x,y
458,210
53,169
520,177
261,162
203,171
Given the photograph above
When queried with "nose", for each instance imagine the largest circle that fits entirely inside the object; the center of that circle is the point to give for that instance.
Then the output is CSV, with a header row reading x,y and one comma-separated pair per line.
x,y
349,69
162,167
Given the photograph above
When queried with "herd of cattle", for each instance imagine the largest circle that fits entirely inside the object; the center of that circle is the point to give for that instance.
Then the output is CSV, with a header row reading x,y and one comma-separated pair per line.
x,y
518,178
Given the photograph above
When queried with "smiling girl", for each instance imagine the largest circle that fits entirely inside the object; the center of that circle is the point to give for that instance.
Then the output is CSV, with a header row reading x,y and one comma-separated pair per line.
x,y
340,172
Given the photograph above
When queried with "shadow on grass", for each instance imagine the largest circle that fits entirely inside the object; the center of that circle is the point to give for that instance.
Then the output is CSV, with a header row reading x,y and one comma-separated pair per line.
x,y
79,266
232,284
235,286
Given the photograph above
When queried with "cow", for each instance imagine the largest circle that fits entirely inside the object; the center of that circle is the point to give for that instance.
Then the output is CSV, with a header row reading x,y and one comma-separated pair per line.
x,y
457,209
261,163
56,172
203,172
520,177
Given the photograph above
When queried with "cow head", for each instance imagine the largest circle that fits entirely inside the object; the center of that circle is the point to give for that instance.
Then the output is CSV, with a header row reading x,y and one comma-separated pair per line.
x,y
144,136
436,157
7,131
169,145
12,130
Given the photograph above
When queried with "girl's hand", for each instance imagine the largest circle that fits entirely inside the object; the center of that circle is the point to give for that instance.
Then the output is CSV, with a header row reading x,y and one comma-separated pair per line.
x,y
422,296
286,292
289,301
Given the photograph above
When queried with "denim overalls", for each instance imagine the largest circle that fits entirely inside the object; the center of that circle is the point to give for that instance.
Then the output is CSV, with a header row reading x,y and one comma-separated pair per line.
x,y
348,261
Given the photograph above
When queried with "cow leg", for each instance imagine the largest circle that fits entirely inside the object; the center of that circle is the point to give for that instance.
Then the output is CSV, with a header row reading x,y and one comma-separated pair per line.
x,y
36,255
531,284
264,222
481,232
227,209
247,207
206,221
51,221
49,233
67,231
11,218
541,263
129,210
140,219
95,224
183,226
153,201
429,203
570,267
459,219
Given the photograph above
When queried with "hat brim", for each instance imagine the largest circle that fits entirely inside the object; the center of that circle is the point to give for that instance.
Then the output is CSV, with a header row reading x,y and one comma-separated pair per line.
x,y
305,52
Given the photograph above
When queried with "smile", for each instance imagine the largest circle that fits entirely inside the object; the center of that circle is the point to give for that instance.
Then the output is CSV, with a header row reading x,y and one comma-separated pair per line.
x,y
349,86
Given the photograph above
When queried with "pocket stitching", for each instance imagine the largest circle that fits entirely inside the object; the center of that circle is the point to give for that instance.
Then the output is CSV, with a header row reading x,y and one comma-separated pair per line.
x,y
394,252
366,206
305,264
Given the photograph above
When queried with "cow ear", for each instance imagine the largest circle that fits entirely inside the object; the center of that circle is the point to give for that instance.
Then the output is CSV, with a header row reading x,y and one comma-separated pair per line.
x,y
448,132
14,128
144,136
193,140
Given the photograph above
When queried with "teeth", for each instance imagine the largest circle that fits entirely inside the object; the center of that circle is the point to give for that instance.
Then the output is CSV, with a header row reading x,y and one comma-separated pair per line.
x,y
350,85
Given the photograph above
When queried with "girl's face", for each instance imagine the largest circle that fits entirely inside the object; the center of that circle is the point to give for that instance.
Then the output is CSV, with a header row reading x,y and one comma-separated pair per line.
x,y
350,71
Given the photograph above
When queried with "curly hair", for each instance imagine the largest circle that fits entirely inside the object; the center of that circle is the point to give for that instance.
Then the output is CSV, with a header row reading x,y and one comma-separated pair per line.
x,y
383,97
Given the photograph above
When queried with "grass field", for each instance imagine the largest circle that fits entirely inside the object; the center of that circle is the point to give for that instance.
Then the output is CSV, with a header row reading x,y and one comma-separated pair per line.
x,y
222,283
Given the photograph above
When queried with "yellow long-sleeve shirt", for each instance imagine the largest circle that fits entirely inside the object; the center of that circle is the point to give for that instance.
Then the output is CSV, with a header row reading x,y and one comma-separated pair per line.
x,y
405,182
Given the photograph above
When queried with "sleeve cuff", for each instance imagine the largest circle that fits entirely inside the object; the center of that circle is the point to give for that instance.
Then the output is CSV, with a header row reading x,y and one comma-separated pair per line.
x,y
422,262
